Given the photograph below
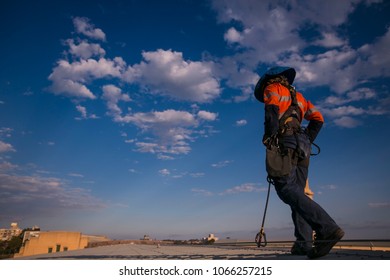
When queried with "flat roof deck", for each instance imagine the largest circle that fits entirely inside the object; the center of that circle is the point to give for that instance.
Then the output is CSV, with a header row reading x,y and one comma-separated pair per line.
x,y
201,252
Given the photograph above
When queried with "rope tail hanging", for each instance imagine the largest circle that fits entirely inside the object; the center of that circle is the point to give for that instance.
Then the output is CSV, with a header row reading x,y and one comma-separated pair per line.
x,y
261,237
318,149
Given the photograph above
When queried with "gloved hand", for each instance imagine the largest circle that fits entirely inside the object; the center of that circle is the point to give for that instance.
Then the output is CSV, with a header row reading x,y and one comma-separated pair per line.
x,y
270,140
266,140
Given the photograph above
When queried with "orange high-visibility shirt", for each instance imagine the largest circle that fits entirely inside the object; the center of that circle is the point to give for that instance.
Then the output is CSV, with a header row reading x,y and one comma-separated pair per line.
x,y
276,94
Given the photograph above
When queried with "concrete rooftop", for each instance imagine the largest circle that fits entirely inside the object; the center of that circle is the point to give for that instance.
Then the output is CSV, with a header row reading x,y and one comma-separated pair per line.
x,y
198,252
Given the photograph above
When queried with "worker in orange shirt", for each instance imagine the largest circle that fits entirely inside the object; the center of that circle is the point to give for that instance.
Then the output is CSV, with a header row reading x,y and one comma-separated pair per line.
x,y
287,159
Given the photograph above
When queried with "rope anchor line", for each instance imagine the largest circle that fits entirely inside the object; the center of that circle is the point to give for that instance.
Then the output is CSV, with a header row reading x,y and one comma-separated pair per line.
x,y
261,237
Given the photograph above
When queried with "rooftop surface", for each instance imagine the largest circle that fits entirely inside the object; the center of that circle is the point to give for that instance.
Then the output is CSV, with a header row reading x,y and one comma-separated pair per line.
x,y
199,252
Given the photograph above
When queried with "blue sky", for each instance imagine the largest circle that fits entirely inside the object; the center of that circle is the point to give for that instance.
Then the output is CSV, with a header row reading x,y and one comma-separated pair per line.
x,y
127,118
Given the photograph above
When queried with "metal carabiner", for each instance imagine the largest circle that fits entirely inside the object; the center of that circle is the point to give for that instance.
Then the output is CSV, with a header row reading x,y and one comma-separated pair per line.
x,y
259,238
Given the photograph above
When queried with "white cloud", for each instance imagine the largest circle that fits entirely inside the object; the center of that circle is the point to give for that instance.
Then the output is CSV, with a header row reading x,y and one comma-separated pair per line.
x,y
343,111
375,60
273,35
28,93
6,147
197,175
244,188
273,20
221,163
347,122
348,116
5,132
39,193
330,40
83,26
269,28
5,166
246,93
175,174
337,107
347,72
329,187
168,132
82,110
113,95
165,72
208,116
28,184
325,69
84,115
241,122
274,38
69,79
84,49
329,14
233,36
164,172
343,69
70,88
361,94
352,96
201,192
236,75
379,205
164,157
76,175
165,118
144,147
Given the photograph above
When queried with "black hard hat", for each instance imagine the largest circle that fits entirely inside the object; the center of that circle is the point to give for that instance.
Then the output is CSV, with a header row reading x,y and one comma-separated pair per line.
x,y
288,72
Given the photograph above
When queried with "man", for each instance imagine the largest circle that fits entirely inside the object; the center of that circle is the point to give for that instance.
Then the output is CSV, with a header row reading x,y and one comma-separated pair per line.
x,y
284,111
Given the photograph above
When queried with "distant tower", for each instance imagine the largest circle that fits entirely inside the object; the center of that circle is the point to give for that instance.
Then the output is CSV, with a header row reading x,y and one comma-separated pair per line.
x,y
14,226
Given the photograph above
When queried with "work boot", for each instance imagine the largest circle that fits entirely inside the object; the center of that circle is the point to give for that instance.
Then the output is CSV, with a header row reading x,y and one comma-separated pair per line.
x,y
325,243
299,250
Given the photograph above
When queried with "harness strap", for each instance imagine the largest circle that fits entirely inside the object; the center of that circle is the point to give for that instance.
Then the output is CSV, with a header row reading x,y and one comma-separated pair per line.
x,y
291,119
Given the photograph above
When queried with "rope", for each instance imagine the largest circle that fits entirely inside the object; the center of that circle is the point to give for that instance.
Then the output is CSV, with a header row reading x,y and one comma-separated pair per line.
x,y
261,234
318,149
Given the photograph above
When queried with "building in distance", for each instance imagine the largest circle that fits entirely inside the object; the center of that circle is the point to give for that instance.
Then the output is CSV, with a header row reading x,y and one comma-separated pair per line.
x,y
6,234
43,242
